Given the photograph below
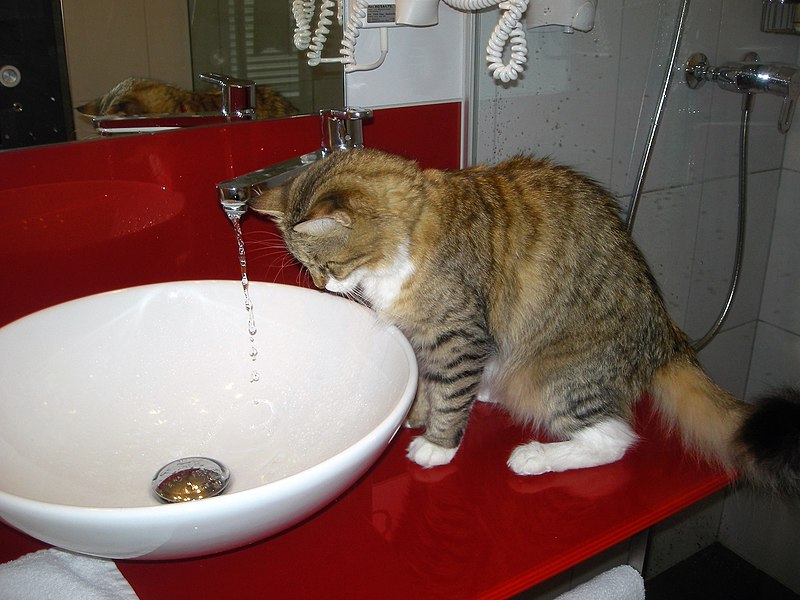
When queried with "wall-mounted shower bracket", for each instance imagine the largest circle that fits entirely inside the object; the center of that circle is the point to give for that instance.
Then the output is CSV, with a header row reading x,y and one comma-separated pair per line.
x,y
749,77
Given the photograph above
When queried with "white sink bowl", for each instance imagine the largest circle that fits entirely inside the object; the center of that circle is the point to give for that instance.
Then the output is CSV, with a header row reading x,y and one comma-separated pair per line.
x,y
97,394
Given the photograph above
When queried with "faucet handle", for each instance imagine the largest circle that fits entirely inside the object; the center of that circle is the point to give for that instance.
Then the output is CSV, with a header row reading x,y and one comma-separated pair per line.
x,y
750,77
238,95
341,128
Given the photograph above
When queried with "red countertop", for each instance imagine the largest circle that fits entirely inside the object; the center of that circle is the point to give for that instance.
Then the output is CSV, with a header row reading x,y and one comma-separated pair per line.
x,y
471,529
83,218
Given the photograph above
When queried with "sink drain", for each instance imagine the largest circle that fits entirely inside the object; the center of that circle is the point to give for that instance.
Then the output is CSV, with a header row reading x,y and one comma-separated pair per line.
x,y
190,478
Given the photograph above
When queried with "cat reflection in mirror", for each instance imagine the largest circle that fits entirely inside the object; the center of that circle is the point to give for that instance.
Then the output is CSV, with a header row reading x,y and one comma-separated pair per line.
x,y
518,284
137,96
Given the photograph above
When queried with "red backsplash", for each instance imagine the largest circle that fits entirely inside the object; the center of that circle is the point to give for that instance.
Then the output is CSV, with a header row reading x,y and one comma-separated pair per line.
x,y
87,217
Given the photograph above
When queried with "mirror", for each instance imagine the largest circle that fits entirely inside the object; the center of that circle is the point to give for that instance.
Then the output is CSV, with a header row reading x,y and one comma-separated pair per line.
x,y
97,44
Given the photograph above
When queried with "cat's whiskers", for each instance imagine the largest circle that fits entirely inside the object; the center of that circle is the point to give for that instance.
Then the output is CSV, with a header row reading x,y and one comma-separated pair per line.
x,y
269,245
283,262
303,277
357,295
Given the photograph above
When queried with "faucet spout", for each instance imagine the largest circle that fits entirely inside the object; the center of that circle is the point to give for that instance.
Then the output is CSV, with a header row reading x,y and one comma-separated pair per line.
x,y
234,194
341,131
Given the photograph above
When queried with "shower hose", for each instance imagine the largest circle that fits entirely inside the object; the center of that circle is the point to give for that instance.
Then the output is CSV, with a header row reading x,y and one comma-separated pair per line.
x,y
747,104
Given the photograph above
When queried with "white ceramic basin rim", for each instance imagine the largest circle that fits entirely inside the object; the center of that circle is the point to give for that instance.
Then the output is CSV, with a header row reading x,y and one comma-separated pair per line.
x,y
97,394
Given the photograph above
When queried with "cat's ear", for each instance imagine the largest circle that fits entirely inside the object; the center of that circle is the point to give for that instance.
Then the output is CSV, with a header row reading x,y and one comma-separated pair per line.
x,y
325,223
328,215
271,203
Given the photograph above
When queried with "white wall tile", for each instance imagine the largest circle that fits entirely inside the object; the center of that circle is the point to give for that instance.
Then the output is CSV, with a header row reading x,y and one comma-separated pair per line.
x,y
563,105
727,358
424,64
715,251
776,360
764,529
791,152
780,305
681,535
679,153
665,229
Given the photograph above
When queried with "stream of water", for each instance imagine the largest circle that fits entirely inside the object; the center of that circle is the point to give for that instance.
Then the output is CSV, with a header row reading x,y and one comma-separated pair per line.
x,y
248,303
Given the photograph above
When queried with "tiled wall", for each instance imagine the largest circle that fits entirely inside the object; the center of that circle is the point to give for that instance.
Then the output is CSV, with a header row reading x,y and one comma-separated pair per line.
x,y
776,354
586,100
759,527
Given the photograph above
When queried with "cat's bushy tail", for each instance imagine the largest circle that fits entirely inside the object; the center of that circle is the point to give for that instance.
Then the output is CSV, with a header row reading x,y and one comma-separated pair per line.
x,y
759,441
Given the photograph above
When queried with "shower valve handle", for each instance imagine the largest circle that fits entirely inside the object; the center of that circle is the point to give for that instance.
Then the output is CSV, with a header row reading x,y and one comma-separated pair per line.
x,y
750,77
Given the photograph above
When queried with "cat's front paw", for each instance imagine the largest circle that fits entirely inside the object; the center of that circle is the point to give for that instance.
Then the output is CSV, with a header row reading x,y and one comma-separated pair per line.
x,y
529,459
427,454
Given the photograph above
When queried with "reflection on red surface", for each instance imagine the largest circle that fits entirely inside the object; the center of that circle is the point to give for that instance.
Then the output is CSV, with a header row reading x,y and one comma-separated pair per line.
x,y
467,530
57,217
472,529
88,217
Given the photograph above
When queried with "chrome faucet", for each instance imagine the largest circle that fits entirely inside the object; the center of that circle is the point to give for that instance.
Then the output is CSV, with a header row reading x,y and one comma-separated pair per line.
x,y
750,77
238,95
238,104
341,131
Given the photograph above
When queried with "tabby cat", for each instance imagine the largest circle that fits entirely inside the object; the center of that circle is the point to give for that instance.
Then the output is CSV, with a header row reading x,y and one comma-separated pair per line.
x,y
136,96
518,284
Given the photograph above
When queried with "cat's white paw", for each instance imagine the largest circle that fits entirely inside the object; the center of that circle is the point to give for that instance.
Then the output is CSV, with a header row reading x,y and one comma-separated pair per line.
x,y
529,459
427,454
600,444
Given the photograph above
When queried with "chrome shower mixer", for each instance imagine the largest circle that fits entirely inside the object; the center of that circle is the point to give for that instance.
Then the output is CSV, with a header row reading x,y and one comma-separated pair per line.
x,y
750,77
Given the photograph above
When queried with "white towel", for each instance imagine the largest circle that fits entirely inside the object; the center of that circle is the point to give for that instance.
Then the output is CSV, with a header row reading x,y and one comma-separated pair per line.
x,y
58,575
620,583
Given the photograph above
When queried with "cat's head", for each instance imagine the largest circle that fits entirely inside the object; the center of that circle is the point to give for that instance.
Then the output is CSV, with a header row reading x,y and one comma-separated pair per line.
x,y
133,96
348,217
122,99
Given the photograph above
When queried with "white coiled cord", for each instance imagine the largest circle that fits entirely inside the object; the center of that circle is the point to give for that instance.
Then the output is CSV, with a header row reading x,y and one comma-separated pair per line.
x,y
508,28
321,34
348,51
302,12
358,13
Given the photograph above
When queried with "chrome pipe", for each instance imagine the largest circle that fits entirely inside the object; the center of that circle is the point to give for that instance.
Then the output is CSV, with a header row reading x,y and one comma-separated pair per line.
x,y
657,115
738,259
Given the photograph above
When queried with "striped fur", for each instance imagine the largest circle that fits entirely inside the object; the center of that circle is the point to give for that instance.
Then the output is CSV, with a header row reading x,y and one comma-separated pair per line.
x,y
523,268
